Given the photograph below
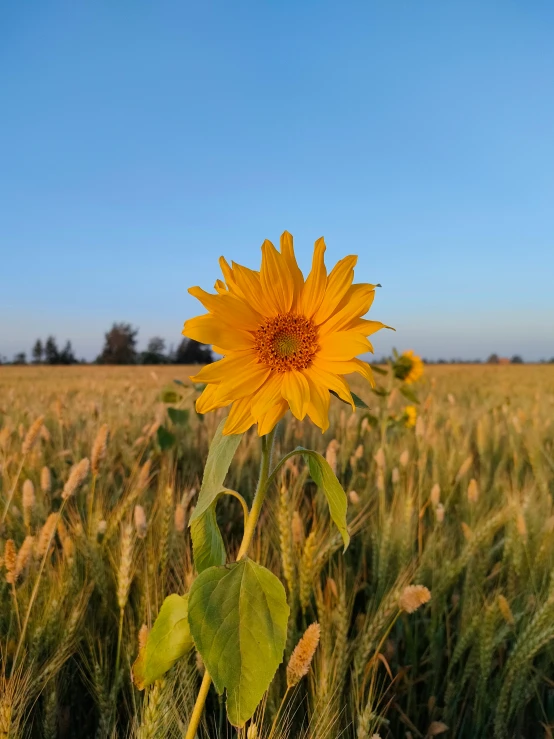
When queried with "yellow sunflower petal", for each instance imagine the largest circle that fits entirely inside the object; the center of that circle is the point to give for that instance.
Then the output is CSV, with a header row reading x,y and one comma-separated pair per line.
x,y
239,419
276,280
220,287
268,420
343,345
296,391
229,278
338,283
320,373
314,289
224,368
357,302
318,407
268,394
208,329
244,381
287,250
229,308
206,401
250,284
348,367
367,328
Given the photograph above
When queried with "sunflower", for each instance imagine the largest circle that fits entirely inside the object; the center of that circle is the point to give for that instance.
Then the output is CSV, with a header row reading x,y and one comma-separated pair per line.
x,y
408,367
410,416
287,341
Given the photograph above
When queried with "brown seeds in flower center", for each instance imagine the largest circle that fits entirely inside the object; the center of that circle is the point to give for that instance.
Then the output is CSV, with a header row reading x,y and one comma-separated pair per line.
x,y
287,342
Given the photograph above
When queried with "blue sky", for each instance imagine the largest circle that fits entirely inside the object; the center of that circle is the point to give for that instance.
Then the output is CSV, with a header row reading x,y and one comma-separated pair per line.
x,y
139,141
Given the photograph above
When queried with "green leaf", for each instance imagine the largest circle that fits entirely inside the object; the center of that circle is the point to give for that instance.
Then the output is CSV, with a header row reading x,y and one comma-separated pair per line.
x,y
220,456
379,370
165,438
170,396
238,619
179,382
372,420
208,548
409,394
178,416
358,402
380,392
325,478
169,640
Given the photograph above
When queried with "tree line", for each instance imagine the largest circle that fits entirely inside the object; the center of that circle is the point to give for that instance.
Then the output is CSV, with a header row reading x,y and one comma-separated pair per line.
x,y
120,347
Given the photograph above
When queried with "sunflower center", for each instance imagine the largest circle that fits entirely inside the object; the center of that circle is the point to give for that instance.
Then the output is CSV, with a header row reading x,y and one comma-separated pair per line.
x,y
287,342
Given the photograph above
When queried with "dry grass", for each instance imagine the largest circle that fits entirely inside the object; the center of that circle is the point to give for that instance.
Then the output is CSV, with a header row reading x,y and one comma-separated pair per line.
x,y
461,504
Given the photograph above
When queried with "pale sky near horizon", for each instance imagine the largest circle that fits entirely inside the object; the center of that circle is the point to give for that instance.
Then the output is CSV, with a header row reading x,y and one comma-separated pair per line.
x,y
139,141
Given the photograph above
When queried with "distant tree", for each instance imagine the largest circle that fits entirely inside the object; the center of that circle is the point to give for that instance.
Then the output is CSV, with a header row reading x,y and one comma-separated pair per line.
x,y
493,359
190,351
38,351
516,359
51,353
20,358
66,356
119,345
154,353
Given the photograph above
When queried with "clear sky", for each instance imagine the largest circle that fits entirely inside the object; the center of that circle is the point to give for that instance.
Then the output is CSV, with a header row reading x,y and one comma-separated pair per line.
x,y
139,141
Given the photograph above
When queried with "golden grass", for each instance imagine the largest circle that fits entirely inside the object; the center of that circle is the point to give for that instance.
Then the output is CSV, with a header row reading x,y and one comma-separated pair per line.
x,y
461,504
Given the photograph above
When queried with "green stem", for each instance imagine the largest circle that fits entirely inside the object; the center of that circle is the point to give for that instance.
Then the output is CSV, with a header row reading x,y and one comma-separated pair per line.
x,y
119,638
259,496
90,511
249,529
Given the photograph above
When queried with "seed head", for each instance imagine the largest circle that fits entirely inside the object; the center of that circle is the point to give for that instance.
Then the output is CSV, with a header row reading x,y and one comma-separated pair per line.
x,y
24,556
439,513
76,478
125,563
464,468
380,458
28,501
143,636
331,454
32,435
354,497
359,453
297,528
45,535
436,494
301,658
405,458
395,475
45,480
99,448
414,596
10,559
143,476
180,518
473,491
140,522
505,610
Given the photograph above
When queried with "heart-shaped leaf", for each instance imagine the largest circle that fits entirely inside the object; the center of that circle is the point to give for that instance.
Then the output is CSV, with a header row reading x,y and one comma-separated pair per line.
x,y
325,478
358,402
178,416
165,438
208,548
168,641
220,456
238,618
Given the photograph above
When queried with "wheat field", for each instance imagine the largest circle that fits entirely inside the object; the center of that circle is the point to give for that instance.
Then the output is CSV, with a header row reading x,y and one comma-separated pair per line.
x,y
461,502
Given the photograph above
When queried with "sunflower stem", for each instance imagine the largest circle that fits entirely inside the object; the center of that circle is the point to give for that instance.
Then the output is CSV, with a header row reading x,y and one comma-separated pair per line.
x,y
249,529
